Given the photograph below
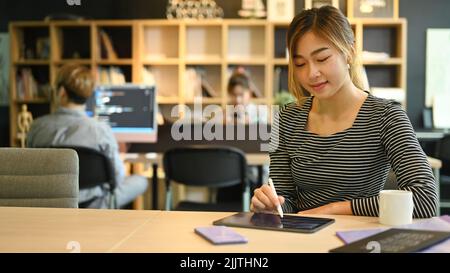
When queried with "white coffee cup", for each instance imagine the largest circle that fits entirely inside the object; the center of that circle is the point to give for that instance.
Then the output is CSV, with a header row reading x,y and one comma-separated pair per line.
x,y
396,207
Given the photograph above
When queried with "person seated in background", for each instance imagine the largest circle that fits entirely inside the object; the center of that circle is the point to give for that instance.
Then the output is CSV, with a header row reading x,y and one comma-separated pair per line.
x,y
240,94
70,126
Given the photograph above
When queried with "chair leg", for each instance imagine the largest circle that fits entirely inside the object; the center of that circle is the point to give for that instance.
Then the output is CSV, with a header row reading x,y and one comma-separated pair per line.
x,y
168,202
112,201
246,199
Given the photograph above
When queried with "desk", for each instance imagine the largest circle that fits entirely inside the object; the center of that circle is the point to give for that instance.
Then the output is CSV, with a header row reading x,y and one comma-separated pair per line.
x,y
51,229
432,134
252,159
157,158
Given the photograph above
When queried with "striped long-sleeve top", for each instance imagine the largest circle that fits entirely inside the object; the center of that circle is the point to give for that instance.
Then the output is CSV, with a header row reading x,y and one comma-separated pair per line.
x,y
311,170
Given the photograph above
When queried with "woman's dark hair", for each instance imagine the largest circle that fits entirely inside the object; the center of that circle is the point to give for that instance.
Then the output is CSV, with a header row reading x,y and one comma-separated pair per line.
x,y
238,79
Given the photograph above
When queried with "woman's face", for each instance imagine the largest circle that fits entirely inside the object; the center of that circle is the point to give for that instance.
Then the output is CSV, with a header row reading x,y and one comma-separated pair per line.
x,y
240,95
319,67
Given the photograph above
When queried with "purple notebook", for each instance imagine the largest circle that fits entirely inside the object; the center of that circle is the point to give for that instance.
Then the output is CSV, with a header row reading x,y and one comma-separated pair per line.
x,y
219,235
436,224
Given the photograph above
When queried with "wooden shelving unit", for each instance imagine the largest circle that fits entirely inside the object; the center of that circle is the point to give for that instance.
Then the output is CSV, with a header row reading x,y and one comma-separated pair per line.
x,y
170,48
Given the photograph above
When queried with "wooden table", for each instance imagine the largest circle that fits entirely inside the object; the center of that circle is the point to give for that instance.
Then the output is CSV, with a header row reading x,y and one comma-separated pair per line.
x,y
156,158
53,229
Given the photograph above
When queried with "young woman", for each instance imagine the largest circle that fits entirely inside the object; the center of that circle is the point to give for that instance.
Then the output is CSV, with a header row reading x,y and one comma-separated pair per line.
x,y
336,147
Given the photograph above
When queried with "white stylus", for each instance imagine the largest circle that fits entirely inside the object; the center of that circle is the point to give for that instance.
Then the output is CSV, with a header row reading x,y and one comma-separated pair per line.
x,y
279,209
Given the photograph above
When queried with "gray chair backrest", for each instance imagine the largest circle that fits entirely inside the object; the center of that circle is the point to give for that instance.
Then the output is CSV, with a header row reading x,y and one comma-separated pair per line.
x,y
31,177
391,181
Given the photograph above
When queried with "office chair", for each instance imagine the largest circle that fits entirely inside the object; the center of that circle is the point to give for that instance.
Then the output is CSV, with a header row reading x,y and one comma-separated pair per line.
x,y
96,169
206,166
32,177
443,153
391,181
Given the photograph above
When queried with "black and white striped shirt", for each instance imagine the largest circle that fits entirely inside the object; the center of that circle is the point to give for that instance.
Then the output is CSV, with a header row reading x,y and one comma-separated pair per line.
x,y
311,170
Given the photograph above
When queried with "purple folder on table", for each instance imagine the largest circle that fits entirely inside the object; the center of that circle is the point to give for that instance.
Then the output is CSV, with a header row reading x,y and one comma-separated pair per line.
x,y
436,224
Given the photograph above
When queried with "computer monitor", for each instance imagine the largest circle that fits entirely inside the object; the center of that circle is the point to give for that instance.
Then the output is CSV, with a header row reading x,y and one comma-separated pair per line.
x,y
129,109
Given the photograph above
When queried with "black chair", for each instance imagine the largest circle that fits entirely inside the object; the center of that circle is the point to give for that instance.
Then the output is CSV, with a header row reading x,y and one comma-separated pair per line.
x,y
206,166
95,169
391,181
444,155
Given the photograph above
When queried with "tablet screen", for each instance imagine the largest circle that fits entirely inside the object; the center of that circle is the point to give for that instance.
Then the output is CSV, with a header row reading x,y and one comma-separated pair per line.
x,y
275,222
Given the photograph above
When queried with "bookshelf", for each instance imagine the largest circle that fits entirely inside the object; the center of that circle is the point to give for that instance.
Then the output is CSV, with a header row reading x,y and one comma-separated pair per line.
x,y
166,52
384,35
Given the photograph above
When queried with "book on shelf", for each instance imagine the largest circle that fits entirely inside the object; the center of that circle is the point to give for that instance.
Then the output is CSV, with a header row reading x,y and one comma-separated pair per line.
x,y
106,43
206,87
193,87
208,90
375,56
197,84
26,85
110,76
147,76
39,49
155,77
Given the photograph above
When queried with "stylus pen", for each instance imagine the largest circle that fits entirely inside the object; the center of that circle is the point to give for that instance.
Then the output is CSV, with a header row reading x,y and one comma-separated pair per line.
x,y
279,209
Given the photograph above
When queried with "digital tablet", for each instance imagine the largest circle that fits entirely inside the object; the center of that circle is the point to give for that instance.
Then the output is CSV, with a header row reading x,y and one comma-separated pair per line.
x,y
290,223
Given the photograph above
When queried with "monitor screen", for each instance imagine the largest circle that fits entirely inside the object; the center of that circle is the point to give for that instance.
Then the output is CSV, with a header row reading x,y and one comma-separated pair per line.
x,y
129,109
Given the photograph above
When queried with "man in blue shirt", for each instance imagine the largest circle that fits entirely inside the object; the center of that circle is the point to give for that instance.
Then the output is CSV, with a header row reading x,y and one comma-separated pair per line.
x,y
70,126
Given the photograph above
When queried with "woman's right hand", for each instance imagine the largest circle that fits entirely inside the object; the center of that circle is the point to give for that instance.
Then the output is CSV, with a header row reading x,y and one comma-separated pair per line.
x,y
264,200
